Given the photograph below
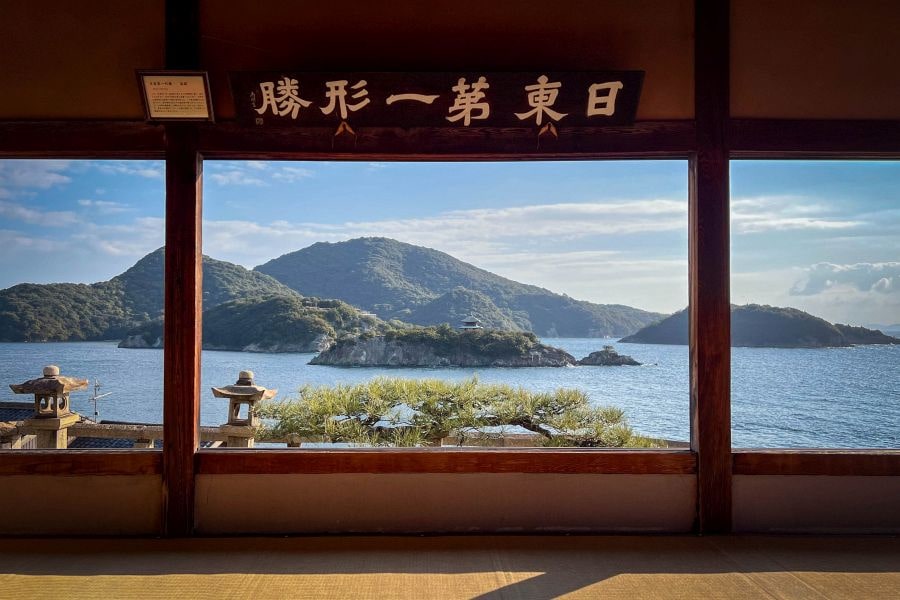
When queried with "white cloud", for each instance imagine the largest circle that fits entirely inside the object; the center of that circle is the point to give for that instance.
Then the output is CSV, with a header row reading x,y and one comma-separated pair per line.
x,y
257,173
882,278
564,219
104,206
467,234
20,212
32,174
235,177
292,174
12,241
134,239
139,168
783,213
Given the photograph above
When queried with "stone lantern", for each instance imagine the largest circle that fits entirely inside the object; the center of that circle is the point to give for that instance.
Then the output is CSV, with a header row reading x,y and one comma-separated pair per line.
x,y
52,416
240,430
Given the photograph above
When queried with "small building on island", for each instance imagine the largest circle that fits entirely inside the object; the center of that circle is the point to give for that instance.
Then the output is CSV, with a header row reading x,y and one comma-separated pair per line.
x,y
470,323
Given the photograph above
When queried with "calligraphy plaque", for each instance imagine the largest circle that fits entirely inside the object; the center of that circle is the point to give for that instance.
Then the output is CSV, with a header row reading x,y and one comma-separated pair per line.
x,y
543,100
176,95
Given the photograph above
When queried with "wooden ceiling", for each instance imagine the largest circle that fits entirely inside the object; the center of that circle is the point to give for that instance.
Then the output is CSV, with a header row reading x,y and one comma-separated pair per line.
x,y
800,59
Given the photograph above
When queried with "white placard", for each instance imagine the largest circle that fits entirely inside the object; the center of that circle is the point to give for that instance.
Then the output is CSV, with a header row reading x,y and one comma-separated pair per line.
x,y
176,96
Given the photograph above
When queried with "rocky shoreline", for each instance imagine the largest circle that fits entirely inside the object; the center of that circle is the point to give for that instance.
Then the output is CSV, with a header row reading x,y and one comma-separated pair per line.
x,y
379,352
608,357
320,343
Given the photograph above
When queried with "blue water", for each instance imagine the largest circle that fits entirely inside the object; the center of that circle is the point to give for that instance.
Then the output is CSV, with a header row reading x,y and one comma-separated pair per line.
x,y
821,398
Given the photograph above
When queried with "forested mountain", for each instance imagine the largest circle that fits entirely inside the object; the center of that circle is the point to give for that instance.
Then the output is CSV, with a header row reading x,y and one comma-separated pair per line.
x,y
109,309
421,285
766,326
460,303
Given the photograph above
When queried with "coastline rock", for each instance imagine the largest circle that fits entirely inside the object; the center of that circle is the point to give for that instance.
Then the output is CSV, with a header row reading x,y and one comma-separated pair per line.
x,y
379,352
320,343
864,335
607,357
139,342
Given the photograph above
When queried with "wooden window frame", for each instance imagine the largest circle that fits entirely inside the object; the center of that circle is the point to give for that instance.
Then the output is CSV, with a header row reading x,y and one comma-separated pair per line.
x,y
708,142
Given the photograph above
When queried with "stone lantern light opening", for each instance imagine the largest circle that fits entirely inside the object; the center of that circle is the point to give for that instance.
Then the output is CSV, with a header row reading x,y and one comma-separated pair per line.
x,y
242,417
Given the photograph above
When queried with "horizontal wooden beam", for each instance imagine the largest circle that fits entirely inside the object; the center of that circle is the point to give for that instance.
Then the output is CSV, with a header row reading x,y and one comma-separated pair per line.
x,y
536,460
783,138
81,139
748,138
817,462
81,462
646,139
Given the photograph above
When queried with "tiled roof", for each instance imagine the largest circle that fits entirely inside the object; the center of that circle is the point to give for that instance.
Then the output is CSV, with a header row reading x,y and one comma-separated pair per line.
x,y
98,443
92,443
15,411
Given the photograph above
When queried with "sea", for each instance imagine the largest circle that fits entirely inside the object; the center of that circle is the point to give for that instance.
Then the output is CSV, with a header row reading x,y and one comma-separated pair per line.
x,y
781,398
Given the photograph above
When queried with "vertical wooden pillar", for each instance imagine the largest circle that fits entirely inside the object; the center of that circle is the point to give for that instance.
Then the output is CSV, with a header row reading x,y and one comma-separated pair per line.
x,y
183,286
710,311
183,299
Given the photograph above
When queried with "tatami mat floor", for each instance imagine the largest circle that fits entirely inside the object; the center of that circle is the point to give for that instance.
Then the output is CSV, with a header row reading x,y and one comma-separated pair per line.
x,y
453,567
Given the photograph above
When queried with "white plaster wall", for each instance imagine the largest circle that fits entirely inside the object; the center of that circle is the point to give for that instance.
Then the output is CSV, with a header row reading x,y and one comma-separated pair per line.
x,y
81,505
405,503
816,504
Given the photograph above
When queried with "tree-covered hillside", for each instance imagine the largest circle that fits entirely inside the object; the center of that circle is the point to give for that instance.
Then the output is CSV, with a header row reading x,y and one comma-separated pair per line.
x,y
107,310
275,323
63,311
399,281
459,304
766,326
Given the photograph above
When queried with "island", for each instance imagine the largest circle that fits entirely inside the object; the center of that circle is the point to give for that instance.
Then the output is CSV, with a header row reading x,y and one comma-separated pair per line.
x,y
608,357
442,346
762,326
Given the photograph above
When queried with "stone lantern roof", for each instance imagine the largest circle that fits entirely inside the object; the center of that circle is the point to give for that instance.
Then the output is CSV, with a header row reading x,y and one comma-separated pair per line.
x,y
51,384
244,390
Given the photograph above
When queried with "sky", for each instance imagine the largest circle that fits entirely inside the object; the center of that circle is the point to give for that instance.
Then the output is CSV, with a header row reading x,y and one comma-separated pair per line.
x,y
820,236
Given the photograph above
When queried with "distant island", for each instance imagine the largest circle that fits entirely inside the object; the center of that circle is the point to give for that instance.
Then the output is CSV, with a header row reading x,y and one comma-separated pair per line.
x,y
608,357
442,346
755,325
